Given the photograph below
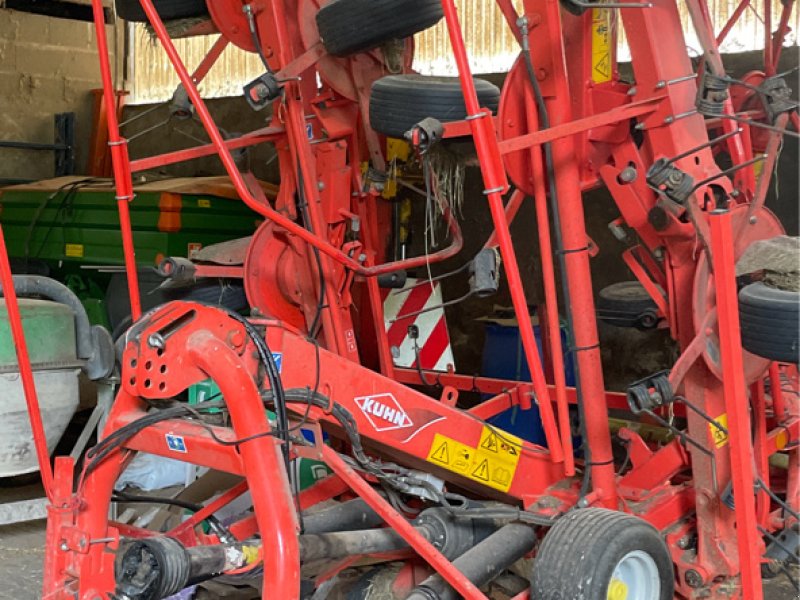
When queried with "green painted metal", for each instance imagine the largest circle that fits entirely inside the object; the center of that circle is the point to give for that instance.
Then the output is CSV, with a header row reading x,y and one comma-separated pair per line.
x,y
307,471
82,228
54,229
49,332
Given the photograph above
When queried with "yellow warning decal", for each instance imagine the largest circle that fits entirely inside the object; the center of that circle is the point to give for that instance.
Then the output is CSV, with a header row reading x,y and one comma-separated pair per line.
x,y
492,463
203,203
74,250
601,45
720,437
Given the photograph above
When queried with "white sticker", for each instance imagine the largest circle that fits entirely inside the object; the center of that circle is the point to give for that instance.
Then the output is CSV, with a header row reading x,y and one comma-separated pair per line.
x,y
384,412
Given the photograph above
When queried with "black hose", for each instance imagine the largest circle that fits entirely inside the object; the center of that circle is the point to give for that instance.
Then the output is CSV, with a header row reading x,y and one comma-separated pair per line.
x,y
544,123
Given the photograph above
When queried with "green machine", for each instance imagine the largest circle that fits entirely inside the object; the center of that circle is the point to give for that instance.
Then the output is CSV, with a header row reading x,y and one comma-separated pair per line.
x,y
68,228
50,335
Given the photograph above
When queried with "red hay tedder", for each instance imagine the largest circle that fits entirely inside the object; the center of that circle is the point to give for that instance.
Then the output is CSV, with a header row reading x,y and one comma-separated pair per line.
x,y
418,483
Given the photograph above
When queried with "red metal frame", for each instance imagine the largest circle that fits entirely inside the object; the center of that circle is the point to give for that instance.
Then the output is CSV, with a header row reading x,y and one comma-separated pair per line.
x,y
306,271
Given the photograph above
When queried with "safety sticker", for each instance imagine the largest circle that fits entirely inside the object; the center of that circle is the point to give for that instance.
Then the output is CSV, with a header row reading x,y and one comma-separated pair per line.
x,y
176,443
492,463
203,203
720,436
601,45
73,250
278,358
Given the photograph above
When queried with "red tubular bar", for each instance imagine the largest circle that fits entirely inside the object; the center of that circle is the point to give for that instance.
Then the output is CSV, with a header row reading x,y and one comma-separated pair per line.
x,y
236,177
769,66
399,523
776,391
780,35
512,207
495,181
266,475
119,158
209,59
578,274
736,402
732,21
552,322
168,158
615,115
705,34
25,370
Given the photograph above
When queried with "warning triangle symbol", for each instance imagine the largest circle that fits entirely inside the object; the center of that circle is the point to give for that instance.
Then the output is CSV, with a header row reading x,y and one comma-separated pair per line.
x,y
490,443
482,471
603,65
441,454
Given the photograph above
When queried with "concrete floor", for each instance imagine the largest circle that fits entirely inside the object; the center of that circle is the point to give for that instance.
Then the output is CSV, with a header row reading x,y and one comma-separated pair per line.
x,y
22,554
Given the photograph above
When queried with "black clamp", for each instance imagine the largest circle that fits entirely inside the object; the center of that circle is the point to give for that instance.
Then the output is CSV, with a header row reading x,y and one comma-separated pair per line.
x,y
669,179
777,97
425,134
712,94
262,91
650,393
484,273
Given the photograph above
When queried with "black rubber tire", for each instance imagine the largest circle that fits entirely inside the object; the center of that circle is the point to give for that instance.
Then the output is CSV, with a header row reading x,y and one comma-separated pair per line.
x,y
398,102
231,295
131,10
770,322
350,26
627,304
578,555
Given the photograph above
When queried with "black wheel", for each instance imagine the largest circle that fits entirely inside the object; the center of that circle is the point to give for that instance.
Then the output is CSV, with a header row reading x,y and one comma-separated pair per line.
x,y
627,304
216,292
398,102
131,10
350,26
596,554
770,322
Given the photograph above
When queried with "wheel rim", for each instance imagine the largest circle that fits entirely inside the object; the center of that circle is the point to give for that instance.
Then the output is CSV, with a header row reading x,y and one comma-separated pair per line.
x,y
635,578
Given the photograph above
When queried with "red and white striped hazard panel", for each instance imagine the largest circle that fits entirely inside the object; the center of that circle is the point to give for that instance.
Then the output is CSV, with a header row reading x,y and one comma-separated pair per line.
x,y
433,342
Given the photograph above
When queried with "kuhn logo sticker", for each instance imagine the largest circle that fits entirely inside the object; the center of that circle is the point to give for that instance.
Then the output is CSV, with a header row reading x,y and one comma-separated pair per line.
x,y
384,412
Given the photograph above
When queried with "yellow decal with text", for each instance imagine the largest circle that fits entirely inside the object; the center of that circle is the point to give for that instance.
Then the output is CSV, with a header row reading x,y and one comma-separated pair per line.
x,y
492,463
203,203
74,250
601,45
720,437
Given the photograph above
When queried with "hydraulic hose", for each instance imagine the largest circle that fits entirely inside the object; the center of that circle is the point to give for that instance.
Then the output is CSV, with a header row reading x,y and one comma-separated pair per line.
x,y
544,121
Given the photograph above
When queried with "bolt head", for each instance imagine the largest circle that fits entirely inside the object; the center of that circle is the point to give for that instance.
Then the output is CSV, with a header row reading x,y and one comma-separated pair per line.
x,y
628,175
693,579
155,340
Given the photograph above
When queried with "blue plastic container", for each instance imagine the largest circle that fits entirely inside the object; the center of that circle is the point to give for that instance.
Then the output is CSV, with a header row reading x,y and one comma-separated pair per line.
x,y
504,358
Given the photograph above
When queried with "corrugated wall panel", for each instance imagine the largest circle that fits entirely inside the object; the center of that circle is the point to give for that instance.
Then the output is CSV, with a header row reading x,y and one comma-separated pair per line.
x,y
490,43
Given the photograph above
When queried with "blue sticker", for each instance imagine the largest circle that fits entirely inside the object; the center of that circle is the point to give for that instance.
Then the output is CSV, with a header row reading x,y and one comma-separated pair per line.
x,y
309,131
176,443
278,358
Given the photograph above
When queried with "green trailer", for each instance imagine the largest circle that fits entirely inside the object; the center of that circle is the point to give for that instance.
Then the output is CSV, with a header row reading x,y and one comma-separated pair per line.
x,y
68,228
